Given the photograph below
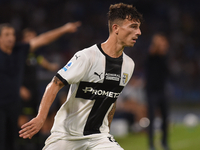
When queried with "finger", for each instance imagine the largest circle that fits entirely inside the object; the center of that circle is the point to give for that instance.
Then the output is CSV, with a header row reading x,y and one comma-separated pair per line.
x,y
26,125
30,137
78,23
26,128
24,133
28,133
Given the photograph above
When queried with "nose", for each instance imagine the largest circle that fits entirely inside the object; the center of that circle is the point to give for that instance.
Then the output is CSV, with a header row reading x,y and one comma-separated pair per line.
x,y
139,32
12,37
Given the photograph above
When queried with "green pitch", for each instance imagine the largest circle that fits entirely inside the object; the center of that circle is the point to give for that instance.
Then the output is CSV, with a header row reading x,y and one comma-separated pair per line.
x,y
180,138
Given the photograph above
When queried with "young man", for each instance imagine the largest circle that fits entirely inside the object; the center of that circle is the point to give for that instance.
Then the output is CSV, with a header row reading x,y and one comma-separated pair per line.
x,y
12,57
97,76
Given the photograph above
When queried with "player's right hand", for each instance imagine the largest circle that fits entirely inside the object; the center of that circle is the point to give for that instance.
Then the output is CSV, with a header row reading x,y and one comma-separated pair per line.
x,y
32,127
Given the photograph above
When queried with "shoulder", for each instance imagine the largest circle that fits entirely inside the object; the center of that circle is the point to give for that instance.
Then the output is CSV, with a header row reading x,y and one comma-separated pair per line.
x,y
90,50
128,59
88,53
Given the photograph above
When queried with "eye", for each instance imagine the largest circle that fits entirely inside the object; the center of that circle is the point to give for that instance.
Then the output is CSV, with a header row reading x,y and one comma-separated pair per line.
x,y
134,26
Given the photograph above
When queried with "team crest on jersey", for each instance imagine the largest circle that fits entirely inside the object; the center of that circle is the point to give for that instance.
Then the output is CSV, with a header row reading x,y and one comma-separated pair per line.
x,y
124,78
65,68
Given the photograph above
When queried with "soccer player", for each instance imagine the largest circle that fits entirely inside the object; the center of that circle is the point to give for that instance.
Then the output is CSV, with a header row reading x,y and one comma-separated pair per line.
x,y
97,76
12,57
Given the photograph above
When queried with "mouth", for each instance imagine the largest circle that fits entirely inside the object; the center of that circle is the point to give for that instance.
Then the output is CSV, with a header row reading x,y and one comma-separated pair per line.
x,y
11,43
134,40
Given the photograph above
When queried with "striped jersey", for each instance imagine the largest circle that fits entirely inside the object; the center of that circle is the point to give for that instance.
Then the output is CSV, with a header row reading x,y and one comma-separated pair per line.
x,y
96,81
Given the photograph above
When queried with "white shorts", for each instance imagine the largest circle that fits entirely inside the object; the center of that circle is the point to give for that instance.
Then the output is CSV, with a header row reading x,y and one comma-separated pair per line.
x,y
57,141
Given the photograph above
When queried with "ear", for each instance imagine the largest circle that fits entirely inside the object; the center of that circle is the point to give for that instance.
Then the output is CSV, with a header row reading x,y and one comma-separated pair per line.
x,y
115,28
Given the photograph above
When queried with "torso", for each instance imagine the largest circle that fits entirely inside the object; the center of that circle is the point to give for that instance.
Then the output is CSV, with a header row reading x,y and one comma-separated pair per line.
x,y
93,91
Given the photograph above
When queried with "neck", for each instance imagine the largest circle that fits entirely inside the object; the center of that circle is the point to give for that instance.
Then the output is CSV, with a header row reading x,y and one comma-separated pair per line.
x,y
112,48
6,50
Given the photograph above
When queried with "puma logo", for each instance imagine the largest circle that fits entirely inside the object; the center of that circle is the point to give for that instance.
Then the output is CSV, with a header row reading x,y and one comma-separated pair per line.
x,y
99,75
77,57
111,139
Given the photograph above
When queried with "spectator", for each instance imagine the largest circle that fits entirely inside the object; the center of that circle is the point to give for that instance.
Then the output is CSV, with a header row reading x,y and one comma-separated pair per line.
x,y
29,92
13,56
156,76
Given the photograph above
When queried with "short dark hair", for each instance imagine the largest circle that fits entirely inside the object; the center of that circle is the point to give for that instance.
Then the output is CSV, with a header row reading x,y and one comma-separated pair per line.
x,y
121,11
3,25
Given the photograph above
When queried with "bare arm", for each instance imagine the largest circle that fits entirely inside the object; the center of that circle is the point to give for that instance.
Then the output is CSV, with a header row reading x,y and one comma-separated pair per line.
x,y
32,127
111,114
52,35
46,64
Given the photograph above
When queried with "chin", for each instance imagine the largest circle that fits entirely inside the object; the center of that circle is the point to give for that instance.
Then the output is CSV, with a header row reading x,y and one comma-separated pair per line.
x,y
130,45
10,46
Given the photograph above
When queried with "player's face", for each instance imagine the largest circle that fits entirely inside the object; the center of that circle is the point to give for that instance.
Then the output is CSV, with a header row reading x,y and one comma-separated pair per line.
x,y
7,37
128,32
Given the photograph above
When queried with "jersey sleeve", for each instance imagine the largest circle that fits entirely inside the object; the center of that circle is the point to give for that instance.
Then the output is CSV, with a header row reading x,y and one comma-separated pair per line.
x,y
75,69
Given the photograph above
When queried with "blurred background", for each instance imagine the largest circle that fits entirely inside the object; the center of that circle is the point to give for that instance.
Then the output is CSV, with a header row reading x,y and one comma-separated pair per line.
x,y
178,20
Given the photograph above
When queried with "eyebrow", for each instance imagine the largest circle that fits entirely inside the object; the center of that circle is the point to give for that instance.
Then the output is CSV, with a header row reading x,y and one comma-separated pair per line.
x,y
135,24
